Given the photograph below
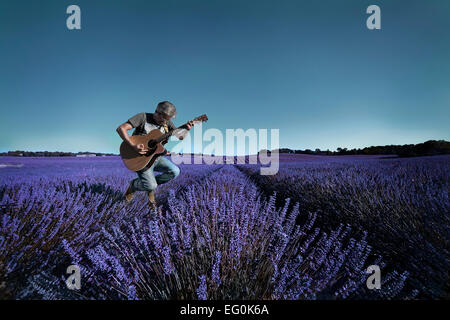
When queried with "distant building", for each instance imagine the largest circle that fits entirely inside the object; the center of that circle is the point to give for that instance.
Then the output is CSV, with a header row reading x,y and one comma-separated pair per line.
x,y
86,155
16,153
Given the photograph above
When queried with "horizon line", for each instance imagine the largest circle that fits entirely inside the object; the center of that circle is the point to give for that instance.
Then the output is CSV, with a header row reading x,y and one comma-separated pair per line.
x,y
280,148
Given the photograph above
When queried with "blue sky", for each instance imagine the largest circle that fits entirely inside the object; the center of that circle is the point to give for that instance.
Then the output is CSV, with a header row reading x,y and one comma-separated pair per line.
x,y
311,69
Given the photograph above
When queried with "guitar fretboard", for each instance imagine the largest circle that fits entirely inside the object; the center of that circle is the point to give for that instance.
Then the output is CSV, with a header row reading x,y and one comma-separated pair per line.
x,y
171,132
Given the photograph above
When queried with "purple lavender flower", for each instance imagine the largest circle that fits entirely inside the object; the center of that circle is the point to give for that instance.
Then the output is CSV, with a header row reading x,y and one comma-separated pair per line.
x,y
168,266
201,290
215,268
132,293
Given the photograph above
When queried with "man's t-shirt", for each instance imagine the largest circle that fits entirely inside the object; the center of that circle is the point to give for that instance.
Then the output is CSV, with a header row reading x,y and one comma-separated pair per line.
x,y
144,123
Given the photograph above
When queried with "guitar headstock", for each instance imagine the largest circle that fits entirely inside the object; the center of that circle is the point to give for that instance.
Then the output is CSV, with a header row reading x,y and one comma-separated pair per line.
x,y
202,118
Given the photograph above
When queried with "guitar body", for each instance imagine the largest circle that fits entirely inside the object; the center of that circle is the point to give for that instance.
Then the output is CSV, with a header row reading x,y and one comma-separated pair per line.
x,y
135,161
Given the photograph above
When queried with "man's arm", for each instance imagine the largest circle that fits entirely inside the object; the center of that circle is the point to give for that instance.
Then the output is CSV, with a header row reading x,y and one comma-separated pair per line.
x,y
122,130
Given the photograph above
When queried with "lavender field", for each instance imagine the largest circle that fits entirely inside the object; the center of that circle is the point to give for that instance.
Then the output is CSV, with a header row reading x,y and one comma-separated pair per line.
x,y
225,231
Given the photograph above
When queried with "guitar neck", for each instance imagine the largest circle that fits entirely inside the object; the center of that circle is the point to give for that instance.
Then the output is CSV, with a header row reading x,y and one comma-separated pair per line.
x,y
168,134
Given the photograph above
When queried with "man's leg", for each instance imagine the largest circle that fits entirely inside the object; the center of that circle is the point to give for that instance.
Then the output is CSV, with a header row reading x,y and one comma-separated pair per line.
x,y
168,168
147,181
144,182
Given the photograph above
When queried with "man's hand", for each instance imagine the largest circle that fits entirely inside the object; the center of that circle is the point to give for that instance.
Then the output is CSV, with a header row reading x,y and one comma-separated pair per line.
x,y
140,148
189,125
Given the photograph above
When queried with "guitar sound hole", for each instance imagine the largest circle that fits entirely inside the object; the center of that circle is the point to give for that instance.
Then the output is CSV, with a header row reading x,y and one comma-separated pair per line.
x,y
151,146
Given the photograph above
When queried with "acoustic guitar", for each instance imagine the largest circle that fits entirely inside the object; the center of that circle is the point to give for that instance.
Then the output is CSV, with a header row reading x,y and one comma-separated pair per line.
x,y
154,141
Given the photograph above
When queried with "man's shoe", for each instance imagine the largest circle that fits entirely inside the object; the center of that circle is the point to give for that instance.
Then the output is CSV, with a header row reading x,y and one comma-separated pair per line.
x,y
151,200
129,192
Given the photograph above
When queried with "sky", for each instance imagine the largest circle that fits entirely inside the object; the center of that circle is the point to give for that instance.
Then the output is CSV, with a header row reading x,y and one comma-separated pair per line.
x,y
311,69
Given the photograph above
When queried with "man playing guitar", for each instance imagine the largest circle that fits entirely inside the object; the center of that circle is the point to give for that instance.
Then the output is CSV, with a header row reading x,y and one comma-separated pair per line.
x,y
143,124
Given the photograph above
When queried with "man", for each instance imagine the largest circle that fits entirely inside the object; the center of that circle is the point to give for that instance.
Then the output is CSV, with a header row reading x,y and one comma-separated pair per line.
x,y
143,124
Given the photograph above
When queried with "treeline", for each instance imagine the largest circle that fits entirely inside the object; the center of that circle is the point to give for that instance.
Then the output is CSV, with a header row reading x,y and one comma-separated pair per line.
x,y
428,148
21,153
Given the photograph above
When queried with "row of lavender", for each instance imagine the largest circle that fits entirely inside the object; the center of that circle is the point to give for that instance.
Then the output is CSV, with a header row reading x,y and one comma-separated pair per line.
x,y
49,200
402,203
217,238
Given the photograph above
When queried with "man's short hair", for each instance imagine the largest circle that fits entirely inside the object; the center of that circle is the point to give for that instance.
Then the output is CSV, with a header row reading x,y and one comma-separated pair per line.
x,y
167,108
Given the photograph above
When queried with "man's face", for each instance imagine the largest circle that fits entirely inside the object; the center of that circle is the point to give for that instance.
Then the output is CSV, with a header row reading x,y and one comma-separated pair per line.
x,y
161,118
